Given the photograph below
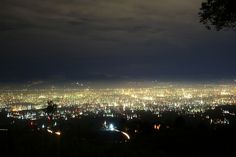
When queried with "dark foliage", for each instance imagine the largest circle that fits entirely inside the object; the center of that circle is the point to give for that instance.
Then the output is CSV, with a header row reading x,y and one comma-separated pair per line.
x,y
218,14
51,108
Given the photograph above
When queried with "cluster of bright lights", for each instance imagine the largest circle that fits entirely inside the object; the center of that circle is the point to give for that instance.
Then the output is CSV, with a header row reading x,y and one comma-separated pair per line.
x,y
167,95
111,127
54,132
113,102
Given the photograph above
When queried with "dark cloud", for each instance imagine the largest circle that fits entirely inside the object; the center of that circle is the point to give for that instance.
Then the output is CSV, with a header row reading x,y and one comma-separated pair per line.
x,y
75,39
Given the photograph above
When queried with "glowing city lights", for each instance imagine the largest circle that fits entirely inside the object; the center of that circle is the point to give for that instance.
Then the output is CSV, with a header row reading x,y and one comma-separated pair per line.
x,y
58,133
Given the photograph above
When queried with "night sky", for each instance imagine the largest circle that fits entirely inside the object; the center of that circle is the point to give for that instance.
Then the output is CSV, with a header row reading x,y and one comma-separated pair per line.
x,y
111,39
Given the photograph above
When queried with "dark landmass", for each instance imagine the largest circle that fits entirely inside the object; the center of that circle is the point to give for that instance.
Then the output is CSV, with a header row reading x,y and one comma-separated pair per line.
x,y
169,135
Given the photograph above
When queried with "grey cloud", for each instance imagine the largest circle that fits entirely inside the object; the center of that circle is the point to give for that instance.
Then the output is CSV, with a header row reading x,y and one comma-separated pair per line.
x,y
100,13
112,37
92,22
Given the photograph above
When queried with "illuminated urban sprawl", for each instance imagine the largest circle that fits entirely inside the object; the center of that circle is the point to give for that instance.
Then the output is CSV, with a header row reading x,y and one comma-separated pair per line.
x,y
111,101
163,105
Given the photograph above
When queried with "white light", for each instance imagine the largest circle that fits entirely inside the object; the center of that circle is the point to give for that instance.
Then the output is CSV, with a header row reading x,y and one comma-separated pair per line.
x,y
111,127
105,124
127,135
50,131
58,133
43,126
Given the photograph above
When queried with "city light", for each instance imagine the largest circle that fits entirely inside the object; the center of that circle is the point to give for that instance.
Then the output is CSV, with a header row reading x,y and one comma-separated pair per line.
x,y
113,102
50,131
111,127
43,126
58,133
127,135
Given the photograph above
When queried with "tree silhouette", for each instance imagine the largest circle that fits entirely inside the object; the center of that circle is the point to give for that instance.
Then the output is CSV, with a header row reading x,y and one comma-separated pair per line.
x,y
218,14
51,108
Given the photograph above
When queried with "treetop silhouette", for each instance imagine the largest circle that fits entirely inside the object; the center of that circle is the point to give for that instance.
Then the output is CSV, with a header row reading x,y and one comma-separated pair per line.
x,y
218,14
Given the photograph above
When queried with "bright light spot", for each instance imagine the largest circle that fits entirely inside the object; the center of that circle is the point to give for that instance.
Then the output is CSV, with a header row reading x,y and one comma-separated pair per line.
x,y
224,92
43,126
105,124
50,131
55,124
111,127
42,97
147,98
157,127
187,96
127,135
58,133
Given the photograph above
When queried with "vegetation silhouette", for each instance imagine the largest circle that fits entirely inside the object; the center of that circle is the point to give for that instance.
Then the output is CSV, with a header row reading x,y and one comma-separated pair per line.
x,y
51,108
179,135
218,14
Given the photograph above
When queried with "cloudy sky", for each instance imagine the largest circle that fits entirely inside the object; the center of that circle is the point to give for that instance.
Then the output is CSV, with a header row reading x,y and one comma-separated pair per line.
x,y
111,39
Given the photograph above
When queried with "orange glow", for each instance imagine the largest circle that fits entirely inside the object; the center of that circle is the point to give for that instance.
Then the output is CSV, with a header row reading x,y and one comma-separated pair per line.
x,y
58,133
157,127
